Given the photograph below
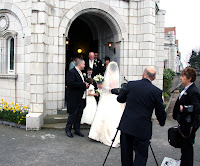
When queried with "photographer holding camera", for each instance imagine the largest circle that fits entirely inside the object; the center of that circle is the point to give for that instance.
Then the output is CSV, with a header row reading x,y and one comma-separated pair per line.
x,y
187,113
141,98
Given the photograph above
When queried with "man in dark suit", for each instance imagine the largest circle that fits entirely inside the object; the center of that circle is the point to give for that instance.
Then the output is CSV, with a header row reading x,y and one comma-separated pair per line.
x,y
99,63
141,98
76,102
92,64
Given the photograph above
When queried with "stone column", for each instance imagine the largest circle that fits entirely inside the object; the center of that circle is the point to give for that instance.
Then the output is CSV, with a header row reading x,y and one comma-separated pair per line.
x,y
38,71
146,35
159,48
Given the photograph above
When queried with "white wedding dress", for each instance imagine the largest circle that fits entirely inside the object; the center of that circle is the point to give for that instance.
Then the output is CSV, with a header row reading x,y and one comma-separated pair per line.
x,y
91,107
109,111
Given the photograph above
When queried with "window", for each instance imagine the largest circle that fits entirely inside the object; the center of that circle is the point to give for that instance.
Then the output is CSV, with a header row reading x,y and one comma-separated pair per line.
x,y
165,64
11,54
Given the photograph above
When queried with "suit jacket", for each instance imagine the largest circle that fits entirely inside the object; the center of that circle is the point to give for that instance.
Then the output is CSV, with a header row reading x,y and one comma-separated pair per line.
x,y
96,68
99,66
190,97
141,98
75,89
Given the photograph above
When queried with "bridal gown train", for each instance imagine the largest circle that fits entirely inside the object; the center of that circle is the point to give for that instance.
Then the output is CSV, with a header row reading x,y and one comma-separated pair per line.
x,y
106,120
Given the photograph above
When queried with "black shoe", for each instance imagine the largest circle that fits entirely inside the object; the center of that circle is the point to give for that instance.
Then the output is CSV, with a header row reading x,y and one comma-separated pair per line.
x,y
79,134
69,134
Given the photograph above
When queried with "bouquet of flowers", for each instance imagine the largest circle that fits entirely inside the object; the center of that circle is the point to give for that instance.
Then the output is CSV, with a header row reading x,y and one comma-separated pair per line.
x,y
98,91
98,79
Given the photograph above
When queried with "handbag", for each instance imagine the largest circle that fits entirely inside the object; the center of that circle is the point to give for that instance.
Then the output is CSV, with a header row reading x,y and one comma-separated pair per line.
x,y
174,137
170,162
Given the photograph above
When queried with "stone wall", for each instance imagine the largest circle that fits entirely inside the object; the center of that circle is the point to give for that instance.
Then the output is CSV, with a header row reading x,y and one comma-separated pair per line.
x,y
135,28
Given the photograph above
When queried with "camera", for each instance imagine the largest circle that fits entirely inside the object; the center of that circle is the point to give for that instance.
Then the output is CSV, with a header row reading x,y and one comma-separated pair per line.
x,y
188,110
117,91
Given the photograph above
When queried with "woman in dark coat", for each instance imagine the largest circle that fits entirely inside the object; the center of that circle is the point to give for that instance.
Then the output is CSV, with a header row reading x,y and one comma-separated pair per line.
x,y
187,113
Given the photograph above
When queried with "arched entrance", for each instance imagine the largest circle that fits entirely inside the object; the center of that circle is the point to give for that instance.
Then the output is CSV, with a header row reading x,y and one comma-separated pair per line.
x,y
92,31
103,25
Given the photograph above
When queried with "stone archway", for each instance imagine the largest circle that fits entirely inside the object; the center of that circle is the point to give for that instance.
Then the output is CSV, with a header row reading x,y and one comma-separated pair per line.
x,y
106,26
17,13
96,14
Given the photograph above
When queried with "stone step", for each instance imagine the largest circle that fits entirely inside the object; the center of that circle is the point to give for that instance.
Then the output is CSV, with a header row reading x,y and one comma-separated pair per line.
x,y
61,126
52,119
62,112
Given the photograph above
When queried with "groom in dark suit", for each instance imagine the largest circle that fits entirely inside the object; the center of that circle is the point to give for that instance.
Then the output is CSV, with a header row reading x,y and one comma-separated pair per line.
x,y
76,102
141,98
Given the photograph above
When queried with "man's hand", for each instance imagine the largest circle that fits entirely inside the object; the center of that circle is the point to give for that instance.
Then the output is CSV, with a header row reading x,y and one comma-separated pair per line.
x,y
181,108
87,85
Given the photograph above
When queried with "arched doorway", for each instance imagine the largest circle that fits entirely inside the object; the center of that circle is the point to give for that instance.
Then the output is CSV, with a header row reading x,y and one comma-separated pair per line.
x,y
104,25
91,31
80,36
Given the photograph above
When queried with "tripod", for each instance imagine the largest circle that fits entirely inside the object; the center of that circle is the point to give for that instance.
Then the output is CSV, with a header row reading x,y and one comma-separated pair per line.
x,y
113,142
110,147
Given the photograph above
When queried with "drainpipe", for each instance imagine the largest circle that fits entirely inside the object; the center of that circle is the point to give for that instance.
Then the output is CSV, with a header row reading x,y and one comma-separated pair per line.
x,y
128,26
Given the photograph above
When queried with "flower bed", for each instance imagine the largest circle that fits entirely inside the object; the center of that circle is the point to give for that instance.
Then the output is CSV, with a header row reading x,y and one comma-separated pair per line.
x,y
13,113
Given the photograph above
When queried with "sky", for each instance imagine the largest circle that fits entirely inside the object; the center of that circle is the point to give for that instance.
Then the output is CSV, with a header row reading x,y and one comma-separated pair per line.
x,y
185,16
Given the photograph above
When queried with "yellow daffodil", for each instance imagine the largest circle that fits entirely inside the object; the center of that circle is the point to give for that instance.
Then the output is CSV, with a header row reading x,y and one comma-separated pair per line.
x,y
12,103
1,99
14,111
16,104
19,122
24,107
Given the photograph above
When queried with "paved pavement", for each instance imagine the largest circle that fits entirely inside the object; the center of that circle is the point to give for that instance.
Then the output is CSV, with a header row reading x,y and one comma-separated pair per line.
x,y
53,148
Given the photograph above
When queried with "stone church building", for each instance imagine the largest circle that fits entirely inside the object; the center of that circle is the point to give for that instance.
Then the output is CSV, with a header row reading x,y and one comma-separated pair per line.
x,y
39,37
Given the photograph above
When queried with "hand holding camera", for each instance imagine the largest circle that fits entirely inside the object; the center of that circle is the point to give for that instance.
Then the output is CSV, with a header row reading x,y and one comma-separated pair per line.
x,y
188,111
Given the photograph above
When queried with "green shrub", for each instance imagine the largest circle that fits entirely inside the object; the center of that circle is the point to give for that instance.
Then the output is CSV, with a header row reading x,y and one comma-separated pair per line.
x,y
167,81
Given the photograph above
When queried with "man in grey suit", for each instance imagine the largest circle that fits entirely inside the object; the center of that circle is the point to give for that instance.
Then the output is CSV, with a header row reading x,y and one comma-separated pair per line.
x,y
141,98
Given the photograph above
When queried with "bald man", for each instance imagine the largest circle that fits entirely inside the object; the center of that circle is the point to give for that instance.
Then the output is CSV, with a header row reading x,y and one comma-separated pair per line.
x,y
141,98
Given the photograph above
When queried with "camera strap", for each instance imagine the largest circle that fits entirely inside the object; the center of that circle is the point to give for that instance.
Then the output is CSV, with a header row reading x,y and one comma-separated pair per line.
x,y
183,134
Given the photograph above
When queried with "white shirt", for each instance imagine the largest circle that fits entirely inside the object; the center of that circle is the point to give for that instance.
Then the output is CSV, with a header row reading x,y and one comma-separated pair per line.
x,y
91,62
80,73
184,90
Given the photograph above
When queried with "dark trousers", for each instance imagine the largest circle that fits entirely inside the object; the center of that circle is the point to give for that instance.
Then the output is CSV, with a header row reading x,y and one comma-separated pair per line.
x,y
139,145
187,152
75,116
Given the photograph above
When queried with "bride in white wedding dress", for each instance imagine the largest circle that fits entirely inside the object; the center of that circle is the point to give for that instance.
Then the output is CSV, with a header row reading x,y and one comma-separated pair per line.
x,y
109,111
